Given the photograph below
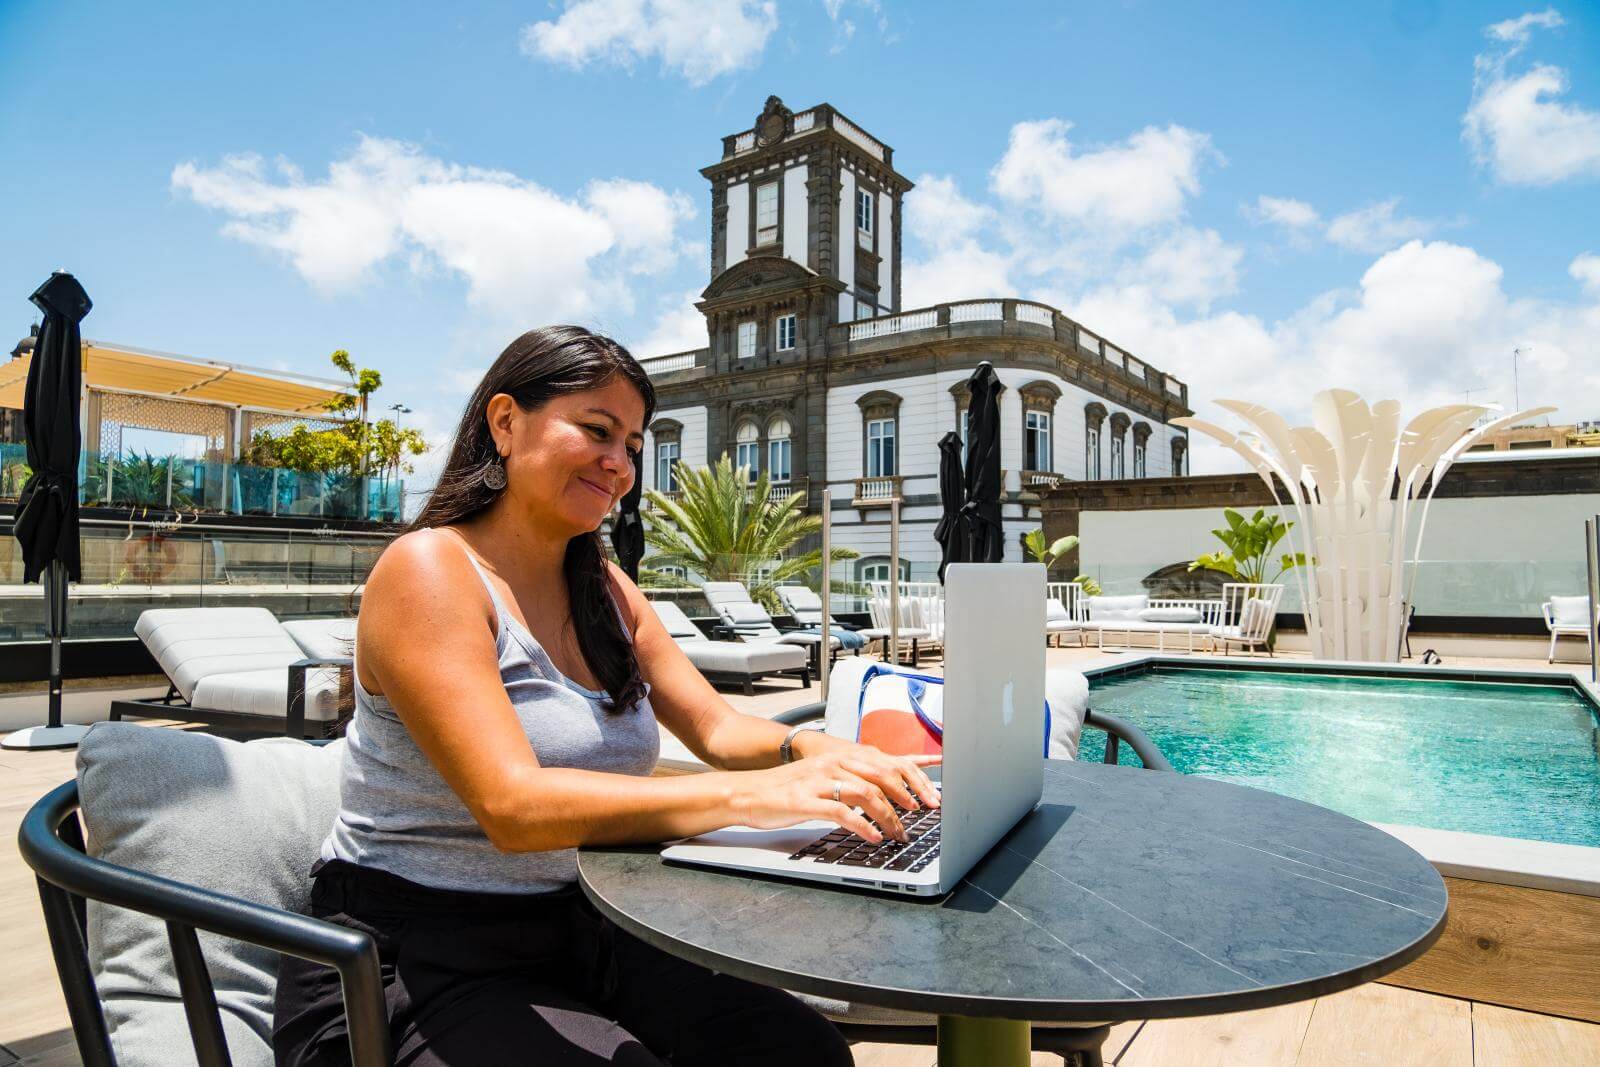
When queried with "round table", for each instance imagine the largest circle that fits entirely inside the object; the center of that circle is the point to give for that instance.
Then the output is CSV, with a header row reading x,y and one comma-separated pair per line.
x,y
1127,894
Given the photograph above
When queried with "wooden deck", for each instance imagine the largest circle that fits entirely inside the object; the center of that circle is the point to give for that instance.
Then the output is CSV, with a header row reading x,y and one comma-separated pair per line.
x,y
1375,1024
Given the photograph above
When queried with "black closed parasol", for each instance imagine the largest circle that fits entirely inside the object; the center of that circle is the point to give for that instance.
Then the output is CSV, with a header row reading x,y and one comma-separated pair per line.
x,y
981,510
47,510
951,533
627,529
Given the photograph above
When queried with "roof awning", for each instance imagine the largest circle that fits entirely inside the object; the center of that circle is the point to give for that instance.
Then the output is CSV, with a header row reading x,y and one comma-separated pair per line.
x,y
135,370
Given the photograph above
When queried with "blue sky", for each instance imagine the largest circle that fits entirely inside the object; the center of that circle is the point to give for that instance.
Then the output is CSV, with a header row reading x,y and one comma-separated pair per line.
x,y
426,181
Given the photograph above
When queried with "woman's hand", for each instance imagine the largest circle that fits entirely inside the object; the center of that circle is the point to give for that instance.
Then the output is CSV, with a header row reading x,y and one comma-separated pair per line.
x,y
832,784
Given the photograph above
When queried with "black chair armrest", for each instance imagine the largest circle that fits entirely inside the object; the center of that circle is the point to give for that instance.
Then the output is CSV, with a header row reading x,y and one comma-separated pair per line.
x,y
722,632
1116,730
294,722
1121,730
50,841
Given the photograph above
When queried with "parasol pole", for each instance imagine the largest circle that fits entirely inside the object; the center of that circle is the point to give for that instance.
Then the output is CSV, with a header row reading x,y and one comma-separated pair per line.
x,y
894,578
827,587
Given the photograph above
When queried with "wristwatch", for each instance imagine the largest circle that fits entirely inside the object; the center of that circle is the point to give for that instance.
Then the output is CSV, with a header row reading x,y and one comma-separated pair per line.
x,y
786,750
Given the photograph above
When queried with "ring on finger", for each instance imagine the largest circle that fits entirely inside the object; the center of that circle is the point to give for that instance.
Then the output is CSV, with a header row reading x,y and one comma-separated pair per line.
x,y
838,787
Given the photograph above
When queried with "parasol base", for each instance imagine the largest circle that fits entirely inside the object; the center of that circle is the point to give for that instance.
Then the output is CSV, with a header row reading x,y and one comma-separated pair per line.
x,y
40,737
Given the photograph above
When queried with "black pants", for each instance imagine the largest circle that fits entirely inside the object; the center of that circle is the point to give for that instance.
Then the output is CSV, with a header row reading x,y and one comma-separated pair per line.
x,y
482,979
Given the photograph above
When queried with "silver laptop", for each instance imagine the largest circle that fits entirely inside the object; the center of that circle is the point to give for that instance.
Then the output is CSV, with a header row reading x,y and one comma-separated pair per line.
x,y
992,774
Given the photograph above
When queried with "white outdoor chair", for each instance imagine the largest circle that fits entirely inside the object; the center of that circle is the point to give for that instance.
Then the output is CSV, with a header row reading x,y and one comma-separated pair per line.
x,y
237,668
1567,616
1248,612
1062,612
911,630
742,661
752,622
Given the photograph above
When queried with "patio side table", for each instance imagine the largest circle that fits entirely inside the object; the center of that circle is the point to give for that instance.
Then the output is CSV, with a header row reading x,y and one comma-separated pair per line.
x,y
1127,894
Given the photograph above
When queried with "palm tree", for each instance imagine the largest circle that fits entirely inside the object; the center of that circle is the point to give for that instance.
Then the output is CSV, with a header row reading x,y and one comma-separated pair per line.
x,y
726,528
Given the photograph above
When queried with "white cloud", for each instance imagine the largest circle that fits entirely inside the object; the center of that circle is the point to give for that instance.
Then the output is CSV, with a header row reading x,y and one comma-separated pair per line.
x,y
698,39
1376,228
527,254
679,326
1517,31
1285,212
1109,193
1586,268
1517,125
1191,268
942,220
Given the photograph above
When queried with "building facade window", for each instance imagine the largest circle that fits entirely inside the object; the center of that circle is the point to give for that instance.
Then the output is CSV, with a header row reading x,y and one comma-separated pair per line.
x,y
1038,425
747,449
1141,449
779,455
1119,445
747,340
667,466
1036,441
784,333
864,209
1180,455
866,304
880,448
877,570
1094,418
766,214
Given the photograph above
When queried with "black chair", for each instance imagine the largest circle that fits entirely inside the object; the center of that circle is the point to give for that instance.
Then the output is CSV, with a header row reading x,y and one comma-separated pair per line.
x,y
52,844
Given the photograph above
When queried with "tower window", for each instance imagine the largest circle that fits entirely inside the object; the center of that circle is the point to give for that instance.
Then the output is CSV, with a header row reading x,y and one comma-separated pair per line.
x,y
766,214
785,333
747,340
864,206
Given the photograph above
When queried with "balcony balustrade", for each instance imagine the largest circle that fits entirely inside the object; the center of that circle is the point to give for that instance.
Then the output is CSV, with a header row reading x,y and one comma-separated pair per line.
x,y
877,492
805,122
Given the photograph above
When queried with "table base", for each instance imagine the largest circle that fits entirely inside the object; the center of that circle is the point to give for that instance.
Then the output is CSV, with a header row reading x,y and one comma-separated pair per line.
x,y
968,1042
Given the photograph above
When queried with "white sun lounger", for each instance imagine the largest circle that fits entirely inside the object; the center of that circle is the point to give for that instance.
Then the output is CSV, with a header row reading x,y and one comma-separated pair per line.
x,y
744,661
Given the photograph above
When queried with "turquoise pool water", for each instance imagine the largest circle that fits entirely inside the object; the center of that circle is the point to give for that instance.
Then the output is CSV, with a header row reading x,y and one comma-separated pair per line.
x,y
1489,758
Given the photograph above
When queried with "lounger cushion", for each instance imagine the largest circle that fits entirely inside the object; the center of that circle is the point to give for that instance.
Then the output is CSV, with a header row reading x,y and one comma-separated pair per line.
x,y
745,614
679,626
1570,611
192,643
267,693
323,638
745,657
1116,608
1169,615
244,819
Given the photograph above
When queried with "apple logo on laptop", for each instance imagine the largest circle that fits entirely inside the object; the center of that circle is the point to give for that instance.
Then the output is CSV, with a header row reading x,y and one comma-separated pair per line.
x,y
1008,710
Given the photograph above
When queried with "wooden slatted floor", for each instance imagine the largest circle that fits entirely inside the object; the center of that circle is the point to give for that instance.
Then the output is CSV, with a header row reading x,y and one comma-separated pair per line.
x,y
1374,1024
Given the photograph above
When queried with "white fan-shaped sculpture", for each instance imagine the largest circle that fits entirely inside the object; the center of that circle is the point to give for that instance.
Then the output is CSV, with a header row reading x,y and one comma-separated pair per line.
x,y
1356,479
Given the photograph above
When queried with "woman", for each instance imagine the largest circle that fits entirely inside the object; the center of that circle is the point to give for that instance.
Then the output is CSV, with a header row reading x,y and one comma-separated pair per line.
x,y
509,682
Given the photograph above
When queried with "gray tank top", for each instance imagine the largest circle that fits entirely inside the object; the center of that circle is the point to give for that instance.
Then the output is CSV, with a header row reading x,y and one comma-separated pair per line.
x,y
397,813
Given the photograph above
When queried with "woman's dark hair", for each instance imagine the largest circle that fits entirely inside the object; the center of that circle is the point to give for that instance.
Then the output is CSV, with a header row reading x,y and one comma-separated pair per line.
x,y
533,370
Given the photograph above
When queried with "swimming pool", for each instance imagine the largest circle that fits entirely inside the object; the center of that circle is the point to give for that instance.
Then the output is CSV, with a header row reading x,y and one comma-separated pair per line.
x,y
1485,757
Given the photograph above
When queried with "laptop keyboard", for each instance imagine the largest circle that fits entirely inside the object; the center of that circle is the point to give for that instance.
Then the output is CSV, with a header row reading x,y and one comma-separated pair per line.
x,y
845,849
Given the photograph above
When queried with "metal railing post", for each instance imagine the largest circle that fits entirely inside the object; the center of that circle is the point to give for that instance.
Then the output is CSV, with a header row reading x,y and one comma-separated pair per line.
x,y
1591,545
827,588
894,578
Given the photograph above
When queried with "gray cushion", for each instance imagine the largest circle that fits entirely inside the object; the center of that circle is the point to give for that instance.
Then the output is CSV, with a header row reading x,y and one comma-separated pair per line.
x,y
1169,615
243,819
1116,608
323,638
744,657
745,614
678,625
1570,611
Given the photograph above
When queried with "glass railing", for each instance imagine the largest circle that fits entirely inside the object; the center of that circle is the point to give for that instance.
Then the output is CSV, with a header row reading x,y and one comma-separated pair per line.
x,y
1509,589
179,484
129,567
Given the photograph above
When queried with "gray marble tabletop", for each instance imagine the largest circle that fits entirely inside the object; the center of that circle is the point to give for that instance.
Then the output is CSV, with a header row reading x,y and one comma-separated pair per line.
x,y
1127,894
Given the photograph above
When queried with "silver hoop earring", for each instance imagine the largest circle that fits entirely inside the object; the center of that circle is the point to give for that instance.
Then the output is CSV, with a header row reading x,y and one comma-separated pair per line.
x,y
494,475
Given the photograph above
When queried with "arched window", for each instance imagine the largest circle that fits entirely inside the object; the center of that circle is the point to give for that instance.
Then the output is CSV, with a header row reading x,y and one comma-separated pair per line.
x,y
876,569
1094,418
747,448
778,454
